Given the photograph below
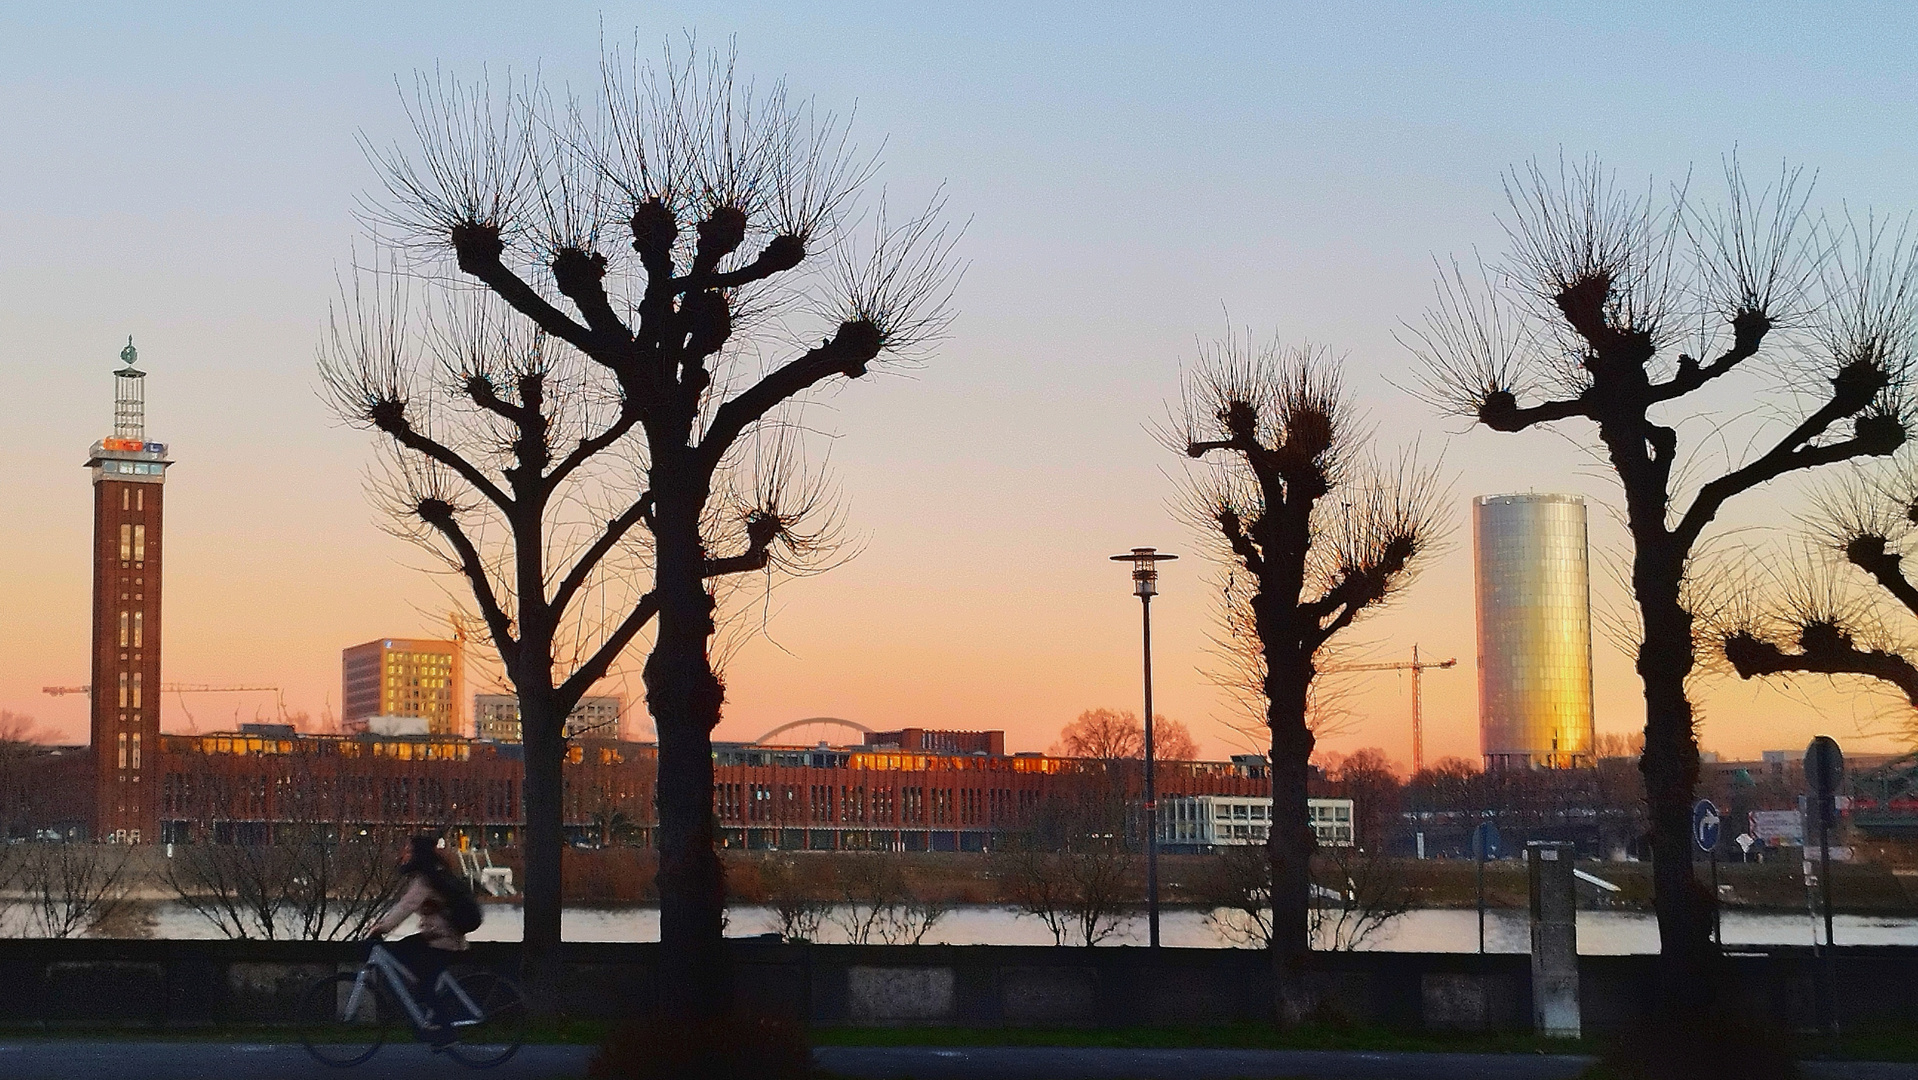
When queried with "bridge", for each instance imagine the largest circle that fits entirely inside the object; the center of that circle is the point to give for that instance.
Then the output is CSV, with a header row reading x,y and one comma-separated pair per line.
x,y
825,721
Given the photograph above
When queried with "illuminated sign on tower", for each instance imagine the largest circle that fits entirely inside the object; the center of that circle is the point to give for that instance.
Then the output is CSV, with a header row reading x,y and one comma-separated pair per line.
x,y
129,476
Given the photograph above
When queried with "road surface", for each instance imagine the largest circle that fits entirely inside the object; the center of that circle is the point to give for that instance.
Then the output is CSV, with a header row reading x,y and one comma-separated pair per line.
x,y
75,1059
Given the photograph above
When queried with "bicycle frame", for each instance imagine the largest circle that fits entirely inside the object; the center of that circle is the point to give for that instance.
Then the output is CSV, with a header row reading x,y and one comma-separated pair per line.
x,y
400,978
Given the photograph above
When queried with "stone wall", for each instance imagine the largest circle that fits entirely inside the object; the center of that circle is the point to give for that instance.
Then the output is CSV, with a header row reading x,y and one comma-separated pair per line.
x,y
183,984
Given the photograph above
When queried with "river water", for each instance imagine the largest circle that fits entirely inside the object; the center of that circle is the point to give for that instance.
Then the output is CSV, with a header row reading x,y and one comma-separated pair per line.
x,y
1425,930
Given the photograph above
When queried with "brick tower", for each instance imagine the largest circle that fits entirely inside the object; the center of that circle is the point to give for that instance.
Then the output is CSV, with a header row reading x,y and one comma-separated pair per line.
x,y
129,475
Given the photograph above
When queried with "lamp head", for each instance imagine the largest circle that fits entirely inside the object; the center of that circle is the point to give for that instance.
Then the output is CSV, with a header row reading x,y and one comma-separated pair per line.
x,y
1145,573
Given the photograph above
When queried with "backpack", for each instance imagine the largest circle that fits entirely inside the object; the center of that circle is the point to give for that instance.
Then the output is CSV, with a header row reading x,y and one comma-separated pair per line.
x,y
462,908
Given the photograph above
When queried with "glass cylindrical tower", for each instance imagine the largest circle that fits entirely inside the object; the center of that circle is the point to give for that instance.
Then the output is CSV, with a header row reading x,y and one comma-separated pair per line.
x,y
1534,631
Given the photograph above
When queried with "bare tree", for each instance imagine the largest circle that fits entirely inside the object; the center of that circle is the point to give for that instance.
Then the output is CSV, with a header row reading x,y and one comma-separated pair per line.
x,y
1622,310
880,905
19,743
70,887
307,886
798,910
1313,534
598,412
1082,893
1109,735
1356,894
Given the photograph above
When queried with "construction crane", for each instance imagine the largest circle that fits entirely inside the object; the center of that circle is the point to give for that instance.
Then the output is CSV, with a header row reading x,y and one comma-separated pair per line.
x,y
168,688
182,689
1416,667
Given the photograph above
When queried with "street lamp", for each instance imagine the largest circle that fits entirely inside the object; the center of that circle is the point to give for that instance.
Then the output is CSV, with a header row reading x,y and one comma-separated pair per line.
x,y
1145,579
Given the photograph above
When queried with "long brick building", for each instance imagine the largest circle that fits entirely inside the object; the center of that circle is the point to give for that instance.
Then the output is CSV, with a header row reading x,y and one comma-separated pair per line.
x,y
251,785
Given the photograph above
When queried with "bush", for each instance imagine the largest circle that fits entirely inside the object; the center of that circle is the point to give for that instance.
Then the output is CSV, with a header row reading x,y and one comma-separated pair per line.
x,y
728,1048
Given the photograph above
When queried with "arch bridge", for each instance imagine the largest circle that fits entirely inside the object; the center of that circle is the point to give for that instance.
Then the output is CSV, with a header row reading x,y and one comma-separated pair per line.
x,y
830,721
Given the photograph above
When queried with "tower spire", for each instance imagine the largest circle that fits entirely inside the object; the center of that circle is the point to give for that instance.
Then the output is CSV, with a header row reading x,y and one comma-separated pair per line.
x,y
130,397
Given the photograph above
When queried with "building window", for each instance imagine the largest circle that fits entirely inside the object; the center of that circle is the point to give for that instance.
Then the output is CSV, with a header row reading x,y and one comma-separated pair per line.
x,y
140,543
126,543
136,689
139,628
123,749
140,499
123,629
123,689
136,750
126,498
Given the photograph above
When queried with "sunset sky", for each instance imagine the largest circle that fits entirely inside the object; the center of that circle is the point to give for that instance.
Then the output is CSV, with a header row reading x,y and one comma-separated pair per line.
x,y
1136,179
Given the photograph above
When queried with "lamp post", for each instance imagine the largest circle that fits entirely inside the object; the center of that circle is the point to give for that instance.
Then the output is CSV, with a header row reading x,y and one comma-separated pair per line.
x,y
1145,578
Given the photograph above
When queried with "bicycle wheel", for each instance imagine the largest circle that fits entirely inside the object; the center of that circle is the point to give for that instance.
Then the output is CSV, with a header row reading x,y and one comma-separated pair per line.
x,y
495,1034
341,1022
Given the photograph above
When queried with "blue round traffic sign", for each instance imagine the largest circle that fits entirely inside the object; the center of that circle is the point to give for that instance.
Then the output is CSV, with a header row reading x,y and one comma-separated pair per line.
x,y
1705,822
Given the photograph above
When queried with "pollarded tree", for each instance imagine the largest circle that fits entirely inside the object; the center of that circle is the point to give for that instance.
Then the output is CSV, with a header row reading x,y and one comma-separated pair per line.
x,y
1313,533
1629,313
1827,621
593,410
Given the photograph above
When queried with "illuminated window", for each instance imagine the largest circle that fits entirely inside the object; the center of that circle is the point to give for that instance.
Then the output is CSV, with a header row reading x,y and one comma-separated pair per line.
x,y
126,543
140,496
139,543
123,749
123,689
126,496
139,628
136,689
136,749
123,629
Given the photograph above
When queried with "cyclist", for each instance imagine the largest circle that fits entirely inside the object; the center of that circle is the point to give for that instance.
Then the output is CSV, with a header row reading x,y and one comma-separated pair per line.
x,y
447,912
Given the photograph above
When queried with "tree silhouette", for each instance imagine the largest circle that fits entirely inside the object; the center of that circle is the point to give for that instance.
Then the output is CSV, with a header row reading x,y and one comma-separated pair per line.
x,y
595,408
1110,735
1826,621
1626,311
1313,534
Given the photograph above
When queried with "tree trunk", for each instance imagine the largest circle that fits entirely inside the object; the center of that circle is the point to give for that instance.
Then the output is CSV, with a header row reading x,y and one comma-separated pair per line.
x,y
684,695
543,847
1289,844
1670,767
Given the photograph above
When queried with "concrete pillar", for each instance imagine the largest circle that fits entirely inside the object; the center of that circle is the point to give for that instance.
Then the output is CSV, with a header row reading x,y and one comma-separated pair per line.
x,y
1554,939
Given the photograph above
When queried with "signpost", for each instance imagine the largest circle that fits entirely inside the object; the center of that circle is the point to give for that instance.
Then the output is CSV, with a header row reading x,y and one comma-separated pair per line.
x,y
1705,832
1824,770
1484,846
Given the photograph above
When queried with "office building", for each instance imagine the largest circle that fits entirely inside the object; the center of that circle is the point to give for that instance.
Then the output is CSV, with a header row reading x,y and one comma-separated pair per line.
x,y
496,717
401,677
1198,824
1534,631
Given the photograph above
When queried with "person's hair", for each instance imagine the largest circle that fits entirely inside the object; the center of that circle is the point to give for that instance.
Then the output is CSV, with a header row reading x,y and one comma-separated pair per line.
x,y
423,856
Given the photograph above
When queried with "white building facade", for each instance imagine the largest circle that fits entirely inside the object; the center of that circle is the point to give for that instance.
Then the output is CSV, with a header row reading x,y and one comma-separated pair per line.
x,y
1197,824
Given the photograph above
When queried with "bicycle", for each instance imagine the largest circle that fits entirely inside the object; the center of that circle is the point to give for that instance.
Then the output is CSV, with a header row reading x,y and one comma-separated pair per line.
x,y
343,1019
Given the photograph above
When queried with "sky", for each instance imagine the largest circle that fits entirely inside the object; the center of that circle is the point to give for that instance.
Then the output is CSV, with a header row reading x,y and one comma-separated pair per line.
x,y
1135,179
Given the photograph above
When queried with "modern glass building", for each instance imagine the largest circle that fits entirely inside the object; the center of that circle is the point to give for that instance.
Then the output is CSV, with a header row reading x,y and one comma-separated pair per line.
x,y
1534,631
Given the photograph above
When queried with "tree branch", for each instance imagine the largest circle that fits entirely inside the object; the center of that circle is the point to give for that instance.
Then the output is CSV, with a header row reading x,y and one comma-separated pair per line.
x,y
1500,411
391,418
478,250
1869,554
439,514
761,530
846,353
628,417
782,253
615,531
595,668
1824,650
1242,545
1748,333
1791,454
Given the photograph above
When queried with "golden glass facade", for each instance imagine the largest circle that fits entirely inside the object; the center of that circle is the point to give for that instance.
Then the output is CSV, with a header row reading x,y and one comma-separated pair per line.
x,y
1534,631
